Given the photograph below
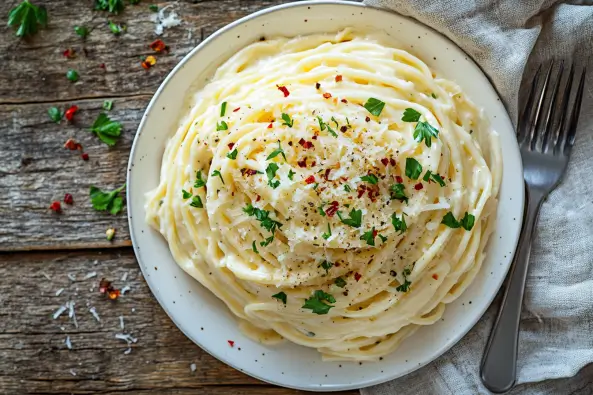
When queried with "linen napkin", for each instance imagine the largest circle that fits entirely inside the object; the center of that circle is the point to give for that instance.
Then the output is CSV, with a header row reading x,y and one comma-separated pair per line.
x,y
508,39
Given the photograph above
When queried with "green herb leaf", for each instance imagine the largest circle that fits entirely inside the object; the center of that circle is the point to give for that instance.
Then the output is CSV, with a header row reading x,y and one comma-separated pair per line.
x,y
113,6
399,224
107,105
72,75
340,282
216,173
327,234
27,18
222,126
291,174
383,238
347,188
267,241
186,194
153,8
200,182
434,96
280,296
413,168
355,219
398,192
263,217
369,237
411,115
196,201
336,122
55,114
116,29
82,31
223,109
325,265
374,106
254,248
271,173
276,152
317,304
370,178
320,209
405,286
233,154
331,131
438,179
425,131
107,201
450,221
427,176
287,121
321,123
107,130
467,222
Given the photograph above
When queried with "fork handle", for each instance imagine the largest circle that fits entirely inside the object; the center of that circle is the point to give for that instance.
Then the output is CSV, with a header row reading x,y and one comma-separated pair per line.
x,y
499,363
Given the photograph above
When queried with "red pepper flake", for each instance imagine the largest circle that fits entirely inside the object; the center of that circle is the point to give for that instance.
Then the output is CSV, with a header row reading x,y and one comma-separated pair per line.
x,y
236,109
398,179
385,161
344,101
418,186
56,207
102,65
327,95
69,53
106,288
72,145
435,276
231,343
338,78
314,137
317,85
357,276
313,164
332,209
258,198
113,295
68,199
368,119
375,233
305,144
284,90
270,125
84,156
248,172
69,114
373,193
231,145
148,62
361,190
310,180
392,162
344,129
326,175
158,46
302,163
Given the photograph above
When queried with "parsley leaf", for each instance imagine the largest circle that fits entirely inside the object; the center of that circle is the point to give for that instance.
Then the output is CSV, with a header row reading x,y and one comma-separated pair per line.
x,y
383,238
411,115
287,121
196,201
200,182
216,173
291,174
276,152
153,8
113,6
398,191
222,126
223,109
405,286
347,188
107,130
116,29
374,106
264,217
107,105
233,154
355,219
72,75
271,173
427,176
320,209
399,224
370,178
340,282
55,114
327,234
322,124
434,96
254,248
331,131
369,237
280,296
467,222
437,178
28,18
413,168
450,221
425,131
107,201
336,122
82,31
186,194
267,241
316,302
325,265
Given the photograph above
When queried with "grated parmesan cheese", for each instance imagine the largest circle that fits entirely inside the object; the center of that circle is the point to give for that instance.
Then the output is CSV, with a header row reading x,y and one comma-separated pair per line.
x,y
68,343
59,291
93,311
72,372
125,289
90,275
46,275
59,311
121,322
71,276
124,277
71,313
163,20
193,367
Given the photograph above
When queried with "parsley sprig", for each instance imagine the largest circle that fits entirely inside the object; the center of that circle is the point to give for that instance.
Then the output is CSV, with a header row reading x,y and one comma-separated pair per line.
x,y
374,106
398,192
405,286
107,201
370,178
113,6
326,265
317,304
263,216
355,219
369,237
467,222
287,120
281,296
434,177
399,224
28,17
413,168
276,152
106,129
271,173
200,182
423,130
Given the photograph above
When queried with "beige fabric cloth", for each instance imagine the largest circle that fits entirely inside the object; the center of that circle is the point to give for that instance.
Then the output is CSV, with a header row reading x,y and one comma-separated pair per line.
x,y
508,39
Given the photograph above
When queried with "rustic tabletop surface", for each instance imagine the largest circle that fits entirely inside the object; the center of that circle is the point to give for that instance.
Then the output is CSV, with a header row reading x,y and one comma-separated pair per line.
x,y
49,259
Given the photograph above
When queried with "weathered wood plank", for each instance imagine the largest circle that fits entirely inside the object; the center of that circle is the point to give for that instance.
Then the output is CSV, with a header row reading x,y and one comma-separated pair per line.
x,y
34,357
34,70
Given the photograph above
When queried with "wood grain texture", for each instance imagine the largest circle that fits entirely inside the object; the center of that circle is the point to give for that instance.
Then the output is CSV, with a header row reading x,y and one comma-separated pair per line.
x,y
33,354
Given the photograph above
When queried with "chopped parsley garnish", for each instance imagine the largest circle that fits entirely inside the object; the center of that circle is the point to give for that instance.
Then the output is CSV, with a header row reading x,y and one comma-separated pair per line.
x,y
317,304
383,238
467,222
287,120
291,174
72,75
315,186
276,152
325,265
116,29
398,191
113,6
327,234
320,209
413,168
271,173
355,219
331,131
223,109
399,224
216,173
434,96
370,178
254,248
107,105
280,296
107,130
336,122
369,237
55,114
196,201
425,131
222,126
321,123
347,188
374,106
233,154
263,217
153,8
82,31
107,201
27,17
186,194
200,182
433,176
267,241
340,282
405,286
411,115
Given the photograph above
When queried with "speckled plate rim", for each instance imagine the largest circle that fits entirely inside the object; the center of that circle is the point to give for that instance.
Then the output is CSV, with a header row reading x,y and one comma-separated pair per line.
x,y
339,376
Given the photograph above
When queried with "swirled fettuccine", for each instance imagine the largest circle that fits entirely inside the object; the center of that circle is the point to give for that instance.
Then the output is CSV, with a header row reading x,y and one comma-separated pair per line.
x,y
331,190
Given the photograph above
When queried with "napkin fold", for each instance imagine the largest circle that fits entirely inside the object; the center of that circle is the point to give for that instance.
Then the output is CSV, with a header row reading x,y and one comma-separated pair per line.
x,y
509,39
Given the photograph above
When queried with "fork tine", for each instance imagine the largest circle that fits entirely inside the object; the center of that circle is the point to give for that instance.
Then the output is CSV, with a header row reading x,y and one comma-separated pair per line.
x,y
560,129
525,119
551,108
532,138
574,115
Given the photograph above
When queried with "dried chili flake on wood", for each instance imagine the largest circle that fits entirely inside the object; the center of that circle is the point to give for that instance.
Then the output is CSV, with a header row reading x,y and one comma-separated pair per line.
x,y
84,156
148,62
69,53
56,207
68,199
158,46
69,114
108,290
284,90
72,145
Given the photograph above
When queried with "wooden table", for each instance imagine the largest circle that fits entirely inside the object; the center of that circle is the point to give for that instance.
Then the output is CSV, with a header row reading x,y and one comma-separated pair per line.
x,y
42,252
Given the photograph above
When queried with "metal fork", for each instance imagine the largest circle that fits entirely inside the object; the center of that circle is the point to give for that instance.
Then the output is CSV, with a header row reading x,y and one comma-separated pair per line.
x,y
546,135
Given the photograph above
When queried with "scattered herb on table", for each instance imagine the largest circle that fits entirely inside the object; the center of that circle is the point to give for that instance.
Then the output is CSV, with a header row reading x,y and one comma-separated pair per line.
x,y
107,105
153,8
81,31
28,17
72,75
116,28
107,201
55,114
113,6
106,129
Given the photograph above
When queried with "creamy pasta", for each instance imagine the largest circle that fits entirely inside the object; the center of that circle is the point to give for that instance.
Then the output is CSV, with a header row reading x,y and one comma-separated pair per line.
x,y
331,190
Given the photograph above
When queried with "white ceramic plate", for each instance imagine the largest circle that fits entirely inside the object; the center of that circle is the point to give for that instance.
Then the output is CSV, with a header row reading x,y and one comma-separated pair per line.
x,y
205,319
